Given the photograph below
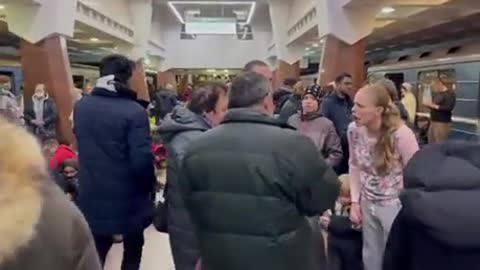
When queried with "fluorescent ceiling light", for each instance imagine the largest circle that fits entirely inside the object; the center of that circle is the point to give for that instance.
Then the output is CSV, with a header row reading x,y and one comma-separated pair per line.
x,y
172,4
225,70
2,7
315,45
94,39
307,49
387,10
175,11
252,10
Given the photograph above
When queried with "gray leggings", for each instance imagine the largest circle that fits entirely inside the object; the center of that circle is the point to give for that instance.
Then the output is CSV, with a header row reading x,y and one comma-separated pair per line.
x,y
376,224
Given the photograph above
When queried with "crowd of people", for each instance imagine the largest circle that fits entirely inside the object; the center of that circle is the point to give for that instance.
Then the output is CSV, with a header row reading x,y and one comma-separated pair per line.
x,y
301,177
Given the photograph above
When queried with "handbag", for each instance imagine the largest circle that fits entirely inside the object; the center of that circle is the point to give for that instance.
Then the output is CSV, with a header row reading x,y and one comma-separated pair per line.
x,y
160,220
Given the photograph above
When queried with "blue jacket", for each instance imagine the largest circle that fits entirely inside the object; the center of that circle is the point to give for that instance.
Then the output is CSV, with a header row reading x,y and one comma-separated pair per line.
x,y
339,110
116,162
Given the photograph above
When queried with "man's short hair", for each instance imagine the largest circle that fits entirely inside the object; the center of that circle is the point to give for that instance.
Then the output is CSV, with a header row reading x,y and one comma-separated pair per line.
x,y
254,63
205,98
118,65
342,76
290,82
248,89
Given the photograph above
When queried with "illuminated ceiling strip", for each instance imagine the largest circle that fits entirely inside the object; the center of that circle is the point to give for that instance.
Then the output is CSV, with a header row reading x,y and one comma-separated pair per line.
x,y
252,10
172,4
175,11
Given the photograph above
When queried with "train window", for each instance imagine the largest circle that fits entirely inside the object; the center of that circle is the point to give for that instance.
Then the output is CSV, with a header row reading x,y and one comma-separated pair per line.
x,y
454,50
425,54
403,58
79,81
397,78
8,76
425,79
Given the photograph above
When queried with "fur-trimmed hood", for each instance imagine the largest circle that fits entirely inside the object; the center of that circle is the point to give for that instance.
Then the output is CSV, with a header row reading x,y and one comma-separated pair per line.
x,y
20,195
40,228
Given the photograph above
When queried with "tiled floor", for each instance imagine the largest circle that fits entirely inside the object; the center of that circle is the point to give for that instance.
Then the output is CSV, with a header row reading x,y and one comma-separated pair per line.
x,y
156,253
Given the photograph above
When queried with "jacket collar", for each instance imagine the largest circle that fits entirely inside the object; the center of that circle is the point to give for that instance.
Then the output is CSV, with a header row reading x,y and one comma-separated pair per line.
x,y
120,93
248,115
310,116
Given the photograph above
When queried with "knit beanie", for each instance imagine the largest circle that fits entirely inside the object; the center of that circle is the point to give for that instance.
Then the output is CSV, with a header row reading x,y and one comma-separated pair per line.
x,y
314,90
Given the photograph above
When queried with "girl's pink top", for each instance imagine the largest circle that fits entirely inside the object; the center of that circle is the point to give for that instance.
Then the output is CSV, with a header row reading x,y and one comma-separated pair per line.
x,y
364,181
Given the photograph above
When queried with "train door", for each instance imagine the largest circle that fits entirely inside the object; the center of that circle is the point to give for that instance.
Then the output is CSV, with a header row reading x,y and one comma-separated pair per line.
x,y
398,79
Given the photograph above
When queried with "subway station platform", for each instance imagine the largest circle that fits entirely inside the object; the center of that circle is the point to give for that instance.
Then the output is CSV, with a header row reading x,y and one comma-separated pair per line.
x,y
156,253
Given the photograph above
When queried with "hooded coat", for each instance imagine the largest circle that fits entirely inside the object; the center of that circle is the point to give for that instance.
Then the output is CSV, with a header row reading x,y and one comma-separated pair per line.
x,y
117,177
438,227
177,131
40,228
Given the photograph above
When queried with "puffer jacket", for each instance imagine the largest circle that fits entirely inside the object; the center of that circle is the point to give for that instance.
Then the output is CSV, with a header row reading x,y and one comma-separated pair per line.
x,y
439,225
322,132
250,185
117,177
178,130
290,107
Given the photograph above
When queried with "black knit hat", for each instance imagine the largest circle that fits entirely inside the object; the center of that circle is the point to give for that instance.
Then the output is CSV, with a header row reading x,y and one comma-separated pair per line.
x,y
314,90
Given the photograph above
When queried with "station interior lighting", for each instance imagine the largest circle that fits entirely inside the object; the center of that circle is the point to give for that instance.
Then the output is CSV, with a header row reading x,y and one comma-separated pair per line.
x,y
388,10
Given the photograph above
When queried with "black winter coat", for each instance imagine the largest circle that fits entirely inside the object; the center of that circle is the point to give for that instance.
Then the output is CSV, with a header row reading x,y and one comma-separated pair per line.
x,y
250,185
438,227
163,102
50,117
344,245
177,131
116,163
290,107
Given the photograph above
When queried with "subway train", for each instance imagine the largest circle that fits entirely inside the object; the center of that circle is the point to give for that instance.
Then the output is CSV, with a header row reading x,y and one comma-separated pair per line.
x,y
459,65
462,73
82,74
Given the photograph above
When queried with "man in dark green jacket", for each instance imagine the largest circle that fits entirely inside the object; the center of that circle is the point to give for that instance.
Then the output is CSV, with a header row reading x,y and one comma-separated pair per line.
x,y
250,185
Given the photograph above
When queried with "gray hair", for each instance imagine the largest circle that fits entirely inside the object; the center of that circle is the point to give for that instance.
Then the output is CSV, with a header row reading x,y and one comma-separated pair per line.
x,y
248,89
254,63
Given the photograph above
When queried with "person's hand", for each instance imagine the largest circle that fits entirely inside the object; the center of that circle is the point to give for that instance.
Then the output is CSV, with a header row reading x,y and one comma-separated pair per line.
x,y
325,221
430,104
356,214
427,103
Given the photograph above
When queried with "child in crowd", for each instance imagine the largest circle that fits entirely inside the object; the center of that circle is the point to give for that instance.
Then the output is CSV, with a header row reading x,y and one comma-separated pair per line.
x,y
67,178
63,152
344,238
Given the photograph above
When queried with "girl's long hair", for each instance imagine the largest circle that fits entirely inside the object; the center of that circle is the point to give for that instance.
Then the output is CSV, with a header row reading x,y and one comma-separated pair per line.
x,y
390,121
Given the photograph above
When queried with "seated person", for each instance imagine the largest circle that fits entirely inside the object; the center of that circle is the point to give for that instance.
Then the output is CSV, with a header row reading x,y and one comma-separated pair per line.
x,y
67,178
344,238
63,152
